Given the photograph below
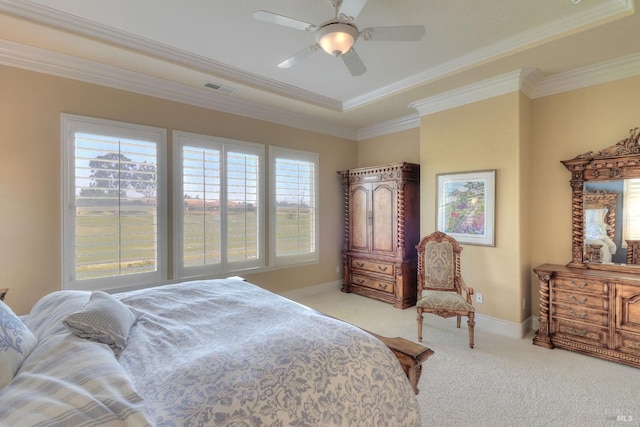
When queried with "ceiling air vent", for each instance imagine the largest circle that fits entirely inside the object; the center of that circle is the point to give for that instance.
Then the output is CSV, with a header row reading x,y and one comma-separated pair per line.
x,y
220,88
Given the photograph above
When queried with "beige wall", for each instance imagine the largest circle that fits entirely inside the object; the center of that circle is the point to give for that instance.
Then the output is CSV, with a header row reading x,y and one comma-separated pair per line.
x,y
397,147
524,225
30,168
564,126
480,136
523,139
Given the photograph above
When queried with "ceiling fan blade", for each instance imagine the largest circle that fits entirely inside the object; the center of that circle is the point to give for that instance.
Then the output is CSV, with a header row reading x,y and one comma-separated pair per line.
x,y
293,60
354,63
393,34
272,18
350,9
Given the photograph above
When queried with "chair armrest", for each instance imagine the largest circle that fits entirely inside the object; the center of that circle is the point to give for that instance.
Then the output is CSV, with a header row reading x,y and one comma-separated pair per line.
x,y
467,289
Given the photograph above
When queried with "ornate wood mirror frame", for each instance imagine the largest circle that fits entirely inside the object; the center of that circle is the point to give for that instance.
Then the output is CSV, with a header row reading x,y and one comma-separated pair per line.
x,y
619,161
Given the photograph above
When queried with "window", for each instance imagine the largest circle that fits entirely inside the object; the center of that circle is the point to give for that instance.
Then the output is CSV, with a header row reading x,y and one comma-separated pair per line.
x,y
294,206
631,216
114,230
218,187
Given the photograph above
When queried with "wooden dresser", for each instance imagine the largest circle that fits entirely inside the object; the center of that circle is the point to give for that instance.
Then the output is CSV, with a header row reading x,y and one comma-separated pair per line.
x,y
593,312
382,228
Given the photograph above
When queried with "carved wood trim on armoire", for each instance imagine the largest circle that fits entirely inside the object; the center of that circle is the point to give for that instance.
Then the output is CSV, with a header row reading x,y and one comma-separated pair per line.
x,y
382,228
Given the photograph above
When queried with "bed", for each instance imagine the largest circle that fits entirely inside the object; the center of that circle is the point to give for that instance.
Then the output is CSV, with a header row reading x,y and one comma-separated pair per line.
x,y
600,223
199,353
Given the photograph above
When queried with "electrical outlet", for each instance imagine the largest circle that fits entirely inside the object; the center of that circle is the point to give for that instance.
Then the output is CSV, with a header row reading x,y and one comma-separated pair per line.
x,y
524,302
479,298
337,269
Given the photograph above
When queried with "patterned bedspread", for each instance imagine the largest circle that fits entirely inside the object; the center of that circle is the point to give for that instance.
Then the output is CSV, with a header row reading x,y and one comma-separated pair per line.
x,y
228,353
208,353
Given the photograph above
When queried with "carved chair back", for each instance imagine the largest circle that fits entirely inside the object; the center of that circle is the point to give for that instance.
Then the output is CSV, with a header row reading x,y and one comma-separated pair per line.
x,y
438,263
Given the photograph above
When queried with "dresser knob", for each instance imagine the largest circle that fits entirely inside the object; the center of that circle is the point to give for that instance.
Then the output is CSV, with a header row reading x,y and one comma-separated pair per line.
x,y
360,264
574,299
359,281
381,268
582,286
574,331
579,316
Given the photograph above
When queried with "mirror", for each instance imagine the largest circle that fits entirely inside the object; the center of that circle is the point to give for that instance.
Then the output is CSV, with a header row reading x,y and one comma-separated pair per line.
x,y
598,186
605,222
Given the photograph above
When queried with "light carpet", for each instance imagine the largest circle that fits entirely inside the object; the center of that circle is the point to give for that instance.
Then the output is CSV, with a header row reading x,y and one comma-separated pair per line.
x,y
502,381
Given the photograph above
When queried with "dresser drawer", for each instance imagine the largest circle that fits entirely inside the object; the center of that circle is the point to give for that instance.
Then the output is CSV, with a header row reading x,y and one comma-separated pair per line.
x,y
373,283
580,300
581,285
581,314
628,343
577,332
373,266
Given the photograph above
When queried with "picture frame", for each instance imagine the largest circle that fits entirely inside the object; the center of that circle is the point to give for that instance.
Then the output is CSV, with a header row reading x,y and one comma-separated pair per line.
x,y
466,206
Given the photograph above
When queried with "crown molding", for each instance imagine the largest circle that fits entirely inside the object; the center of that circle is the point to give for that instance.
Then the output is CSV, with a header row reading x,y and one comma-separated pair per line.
x,y
411,121
607,11
604,72
505,83
532,83
43,61
54,18
74,24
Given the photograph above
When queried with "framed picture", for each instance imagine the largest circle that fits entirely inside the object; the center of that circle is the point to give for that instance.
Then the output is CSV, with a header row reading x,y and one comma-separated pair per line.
x,y
466,206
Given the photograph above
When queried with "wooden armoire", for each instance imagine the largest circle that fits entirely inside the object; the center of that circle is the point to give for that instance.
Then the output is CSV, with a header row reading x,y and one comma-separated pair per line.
x,y
382,229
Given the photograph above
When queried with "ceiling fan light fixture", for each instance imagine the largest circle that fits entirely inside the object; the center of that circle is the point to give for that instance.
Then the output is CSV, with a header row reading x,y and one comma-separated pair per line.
x,y
336,39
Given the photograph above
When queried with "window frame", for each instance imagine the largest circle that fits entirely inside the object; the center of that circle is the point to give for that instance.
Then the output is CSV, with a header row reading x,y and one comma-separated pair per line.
x,y
181,139
70,124
276,153
630,209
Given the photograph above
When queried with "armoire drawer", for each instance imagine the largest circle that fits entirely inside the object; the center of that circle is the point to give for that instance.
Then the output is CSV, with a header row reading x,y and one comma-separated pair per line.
x,y
373,283
578,332
372,266
581,285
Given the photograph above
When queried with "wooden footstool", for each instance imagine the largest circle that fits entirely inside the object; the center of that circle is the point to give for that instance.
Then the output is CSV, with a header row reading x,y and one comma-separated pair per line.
x,y
409,354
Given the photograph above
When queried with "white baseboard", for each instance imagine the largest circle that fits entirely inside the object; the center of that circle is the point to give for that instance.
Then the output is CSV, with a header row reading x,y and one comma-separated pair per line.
x,y
312,290
487,323
503,327
535,323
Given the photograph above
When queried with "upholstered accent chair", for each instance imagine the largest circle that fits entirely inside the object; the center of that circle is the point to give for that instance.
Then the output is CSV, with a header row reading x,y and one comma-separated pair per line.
x,y
440,285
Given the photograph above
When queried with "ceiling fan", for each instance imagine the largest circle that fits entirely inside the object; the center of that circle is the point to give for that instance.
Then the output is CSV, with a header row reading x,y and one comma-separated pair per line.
x,y
338,35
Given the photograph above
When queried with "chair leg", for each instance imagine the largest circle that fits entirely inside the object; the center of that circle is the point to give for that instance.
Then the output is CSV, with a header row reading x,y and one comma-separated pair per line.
x,y
471,323
458,321
419,319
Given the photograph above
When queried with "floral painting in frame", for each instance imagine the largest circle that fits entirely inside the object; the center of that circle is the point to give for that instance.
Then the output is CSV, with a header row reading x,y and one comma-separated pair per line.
x,y
466,206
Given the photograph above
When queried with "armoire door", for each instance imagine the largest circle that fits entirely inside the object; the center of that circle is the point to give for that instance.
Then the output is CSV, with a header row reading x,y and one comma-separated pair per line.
x,y
359,213
384,218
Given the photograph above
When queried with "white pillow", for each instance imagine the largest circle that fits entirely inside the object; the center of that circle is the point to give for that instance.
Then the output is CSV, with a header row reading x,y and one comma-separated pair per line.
x,y
103,319
16,343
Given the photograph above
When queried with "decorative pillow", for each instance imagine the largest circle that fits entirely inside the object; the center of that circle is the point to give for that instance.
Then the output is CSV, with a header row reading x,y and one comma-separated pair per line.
x,y
103,319
16,343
